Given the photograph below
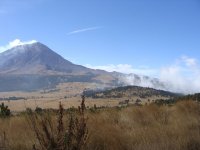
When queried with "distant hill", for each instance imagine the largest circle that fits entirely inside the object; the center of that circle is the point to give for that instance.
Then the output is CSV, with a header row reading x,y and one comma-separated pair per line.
x,y
130,91
194,97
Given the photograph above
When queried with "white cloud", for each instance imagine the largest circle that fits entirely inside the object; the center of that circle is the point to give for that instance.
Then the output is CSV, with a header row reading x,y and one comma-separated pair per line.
x,y
182,76
84,30
14,43
189,61
125,68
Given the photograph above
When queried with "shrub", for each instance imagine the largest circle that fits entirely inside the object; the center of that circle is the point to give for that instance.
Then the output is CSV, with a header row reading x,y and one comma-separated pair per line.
x,y
5,111
38,110
70,136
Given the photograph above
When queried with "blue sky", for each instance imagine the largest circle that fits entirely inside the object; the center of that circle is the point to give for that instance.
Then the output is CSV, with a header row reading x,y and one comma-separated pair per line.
x,y
141,36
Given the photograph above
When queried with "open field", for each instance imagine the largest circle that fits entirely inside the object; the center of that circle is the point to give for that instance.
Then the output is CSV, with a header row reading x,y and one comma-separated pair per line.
x,y
21,105
67,93
149,127
45,103
146,126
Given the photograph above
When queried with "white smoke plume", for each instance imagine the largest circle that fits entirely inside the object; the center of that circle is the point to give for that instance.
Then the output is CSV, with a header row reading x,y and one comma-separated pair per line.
x,y
182,76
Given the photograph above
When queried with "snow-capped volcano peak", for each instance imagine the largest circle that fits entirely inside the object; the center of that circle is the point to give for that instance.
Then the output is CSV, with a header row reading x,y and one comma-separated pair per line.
x,y
18,42
15,43
36,58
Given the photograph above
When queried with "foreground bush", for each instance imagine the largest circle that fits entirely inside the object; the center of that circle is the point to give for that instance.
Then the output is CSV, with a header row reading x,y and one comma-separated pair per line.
x,y
65,136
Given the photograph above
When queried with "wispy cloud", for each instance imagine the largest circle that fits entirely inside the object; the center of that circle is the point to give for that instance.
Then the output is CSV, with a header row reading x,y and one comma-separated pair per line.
x,y
84,30
14,43
125,68
189,61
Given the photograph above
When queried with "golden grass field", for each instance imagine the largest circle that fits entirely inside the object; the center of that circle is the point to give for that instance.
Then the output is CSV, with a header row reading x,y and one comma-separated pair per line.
x,y
67,93
148,127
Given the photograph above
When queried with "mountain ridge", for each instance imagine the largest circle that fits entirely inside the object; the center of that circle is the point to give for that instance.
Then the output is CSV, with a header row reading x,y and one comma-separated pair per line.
x,y
37,63
37,56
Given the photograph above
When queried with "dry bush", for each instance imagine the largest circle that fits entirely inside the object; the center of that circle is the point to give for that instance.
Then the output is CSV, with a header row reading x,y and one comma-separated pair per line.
x,y
71,136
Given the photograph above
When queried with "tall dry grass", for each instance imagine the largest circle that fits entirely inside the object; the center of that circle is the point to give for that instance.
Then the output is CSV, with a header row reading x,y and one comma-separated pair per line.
x,y
148,127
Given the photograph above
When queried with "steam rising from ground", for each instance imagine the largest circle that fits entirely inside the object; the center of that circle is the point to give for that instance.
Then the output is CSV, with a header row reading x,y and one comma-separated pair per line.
x,y
182,76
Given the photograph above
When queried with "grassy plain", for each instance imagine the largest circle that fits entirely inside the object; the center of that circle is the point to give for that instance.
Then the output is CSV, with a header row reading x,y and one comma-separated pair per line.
x,y
149,127
67,93
146,127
